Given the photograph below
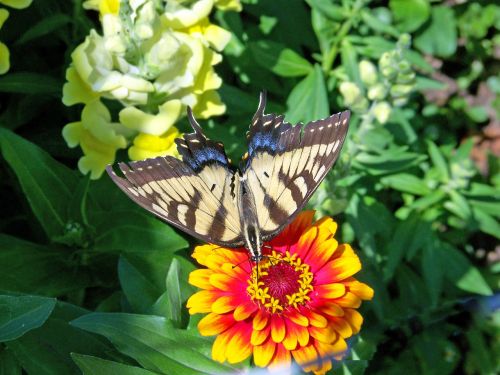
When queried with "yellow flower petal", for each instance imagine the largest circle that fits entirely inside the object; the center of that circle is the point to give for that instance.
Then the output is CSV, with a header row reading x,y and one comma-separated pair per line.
x,y
209,104
330,291
134,118
200,278
17,4
75,90
228,5
224,304
220,347
201,302
4,58
277,328
262,354
179,14
259,336
4,14
213,324
147,146
240,347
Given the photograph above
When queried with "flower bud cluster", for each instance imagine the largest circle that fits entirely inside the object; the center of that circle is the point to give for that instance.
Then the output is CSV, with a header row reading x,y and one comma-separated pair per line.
x,y
381,87
154,58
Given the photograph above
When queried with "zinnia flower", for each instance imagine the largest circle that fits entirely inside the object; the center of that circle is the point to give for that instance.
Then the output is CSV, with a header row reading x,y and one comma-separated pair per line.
x,y
302,303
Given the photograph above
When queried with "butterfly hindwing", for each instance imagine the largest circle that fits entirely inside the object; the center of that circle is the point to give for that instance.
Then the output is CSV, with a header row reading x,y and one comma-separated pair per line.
x,y
287,163
197,194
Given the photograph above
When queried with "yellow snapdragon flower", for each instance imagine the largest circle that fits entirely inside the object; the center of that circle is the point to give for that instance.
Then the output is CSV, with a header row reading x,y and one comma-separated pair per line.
x,y
154,58
17,4
149,146
98,137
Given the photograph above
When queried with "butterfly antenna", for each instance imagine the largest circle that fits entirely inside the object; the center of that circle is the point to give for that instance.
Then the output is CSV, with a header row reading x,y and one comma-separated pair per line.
x,y
194,124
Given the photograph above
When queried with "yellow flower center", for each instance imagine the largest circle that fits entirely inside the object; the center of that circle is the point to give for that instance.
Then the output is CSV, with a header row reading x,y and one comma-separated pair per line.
x,y
281,280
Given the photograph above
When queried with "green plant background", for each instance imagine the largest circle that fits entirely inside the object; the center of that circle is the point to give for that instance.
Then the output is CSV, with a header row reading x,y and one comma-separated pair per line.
x,y
91,283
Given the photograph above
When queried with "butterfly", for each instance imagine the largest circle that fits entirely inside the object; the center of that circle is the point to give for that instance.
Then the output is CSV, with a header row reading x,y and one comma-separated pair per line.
x,y
205,196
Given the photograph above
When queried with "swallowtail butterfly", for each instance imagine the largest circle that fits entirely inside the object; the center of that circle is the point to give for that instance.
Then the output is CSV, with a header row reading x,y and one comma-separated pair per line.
x,y
206,197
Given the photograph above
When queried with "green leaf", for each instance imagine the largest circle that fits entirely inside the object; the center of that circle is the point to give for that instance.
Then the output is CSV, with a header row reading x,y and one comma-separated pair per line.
x,y
280,60
487,223
47,184
140,292
30,83
328,9
440,37
439,161
350,62
433,270
308,101
98,366
9,364
174,293
21,314
462,273
388,161
407,183
44,27
376,24
133,230
409,236
27,267
153,342
410,14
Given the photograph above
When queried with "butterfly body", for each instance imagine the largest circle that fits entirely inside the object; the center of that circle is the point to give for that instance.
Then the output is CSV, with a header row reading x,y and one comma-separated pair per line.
x,y
206,197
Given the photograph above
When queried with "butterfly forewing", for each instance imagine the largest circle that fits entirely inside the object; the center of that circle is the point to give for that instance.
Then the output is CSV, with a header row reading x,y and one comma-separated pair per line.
x,y
287,163
197,195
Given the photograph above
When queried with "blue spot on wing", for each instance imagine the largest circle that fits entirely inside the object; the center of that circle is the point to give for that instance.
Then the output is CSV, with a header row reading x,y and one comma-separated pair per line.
x,y
263,141
205,156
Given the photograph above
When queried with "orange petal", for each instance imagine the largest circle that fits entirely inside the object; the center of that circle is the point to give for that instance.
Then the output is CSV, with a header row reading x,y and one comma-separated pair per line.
x,y
306,354
345,250
244,310
355,319
199,278
219,347
315,319
291,234
202,252
262,354
342,327
240,347
224,304
223,282
201,302
349,300
306,241
281,360
258,337
362,290
338,269
260,320
326,335
277,328
331,309
330,291
322,254
213,324
297,318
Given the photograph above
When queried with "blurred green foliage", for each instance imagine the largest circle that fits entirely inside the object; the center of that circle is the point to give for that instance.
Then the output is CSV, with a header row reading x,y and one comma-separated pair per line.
x,y
91,283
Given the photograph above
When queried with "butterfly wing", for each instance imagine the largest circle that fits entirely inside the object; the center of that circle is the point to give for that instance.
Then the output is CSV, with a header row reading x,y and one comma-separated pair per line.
x,y
197,194
286,163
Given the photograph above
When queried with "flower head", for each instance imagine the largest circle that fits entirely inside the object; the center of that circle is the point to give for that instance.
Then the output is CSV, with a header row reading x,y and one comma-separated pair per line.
x,y
299,302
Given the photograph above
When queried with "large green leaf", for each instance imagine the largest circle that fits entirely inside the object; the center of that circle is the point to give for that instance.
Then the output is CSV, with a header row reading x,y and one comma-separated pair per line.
x,y
46,350
21,314
308,101
30,83
410,14
440,36
98,366
141,293
153,342
280,60
134,230
8,363
460,271
47,184
407,183
45,26
27,267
